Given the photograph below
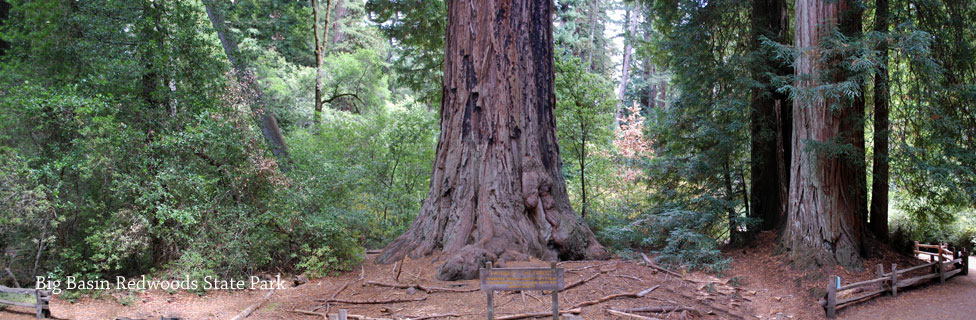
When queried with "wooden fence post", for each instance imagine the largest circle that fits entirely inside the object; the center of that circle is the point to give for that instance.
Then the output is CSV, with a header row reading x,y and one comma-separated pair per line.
x,y
940,267
965,262
881,275
832,296
894,279
555,295
916,249
343,314
491,296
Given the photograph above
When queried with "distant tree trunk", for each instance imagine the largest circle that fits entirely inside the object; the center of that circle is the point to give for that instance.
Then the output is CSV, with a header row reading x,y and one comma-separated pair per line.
x,y
851,22
594,6
249,84
630,24
497,190
769,180
319,53
337,33
4,14
823,225
879,188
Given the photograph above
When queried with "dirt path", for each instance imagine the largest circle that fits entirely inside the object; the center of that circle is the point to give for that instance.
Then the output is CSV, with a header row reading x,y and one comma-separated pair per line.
x,y
708,296
956,299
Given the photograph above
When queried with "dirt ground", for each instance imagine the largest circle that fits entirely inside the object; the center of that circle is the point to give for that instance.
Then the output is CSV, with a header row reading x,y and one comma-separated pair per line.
x,y
758,286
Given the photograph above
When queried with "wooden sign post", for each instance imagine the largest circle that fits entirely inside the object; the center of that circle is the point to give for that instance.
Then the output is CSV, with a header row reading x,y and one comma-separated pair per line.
x,y
521,279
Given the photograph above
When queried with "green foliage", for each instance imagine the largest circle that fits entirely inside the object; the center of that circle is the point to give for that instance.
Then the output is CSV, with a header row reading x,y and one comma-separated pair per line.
x,y
372,170
416,29
584,111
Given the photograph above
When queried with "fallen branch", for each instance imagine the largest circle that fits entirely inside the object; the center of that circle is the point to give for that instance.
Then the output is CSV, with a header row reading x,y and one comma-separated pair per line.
x,y
371,301
655,266
537,314
577,283
629,315
615,296
311,313
326,306
247,312
628,277
437,316
659,309
587,267
419,287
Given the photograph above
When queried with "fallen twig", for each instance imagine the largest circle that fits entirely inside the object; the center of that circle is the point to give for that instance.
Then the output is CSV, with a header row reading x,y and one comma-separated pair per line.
x,y
587,267
629,315
247,312
419,287
618,295
371,301
537,314
311,313
628,277
437,316
655,266
659,309
577,283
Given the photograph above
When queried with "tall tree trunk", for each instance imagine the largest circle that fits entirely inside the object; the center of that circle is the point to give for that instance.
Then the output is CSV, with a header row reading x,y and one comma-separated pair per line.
x,y
594,7
497,190
824,226
768,180
249,84
337,33
319,53
630,25
879,187
851,22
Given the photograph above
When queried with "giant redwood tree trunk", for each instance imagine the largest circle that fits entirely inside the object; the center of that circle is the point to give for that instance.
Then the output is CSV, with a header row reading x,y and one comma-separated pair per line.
x,y
824,224
497,190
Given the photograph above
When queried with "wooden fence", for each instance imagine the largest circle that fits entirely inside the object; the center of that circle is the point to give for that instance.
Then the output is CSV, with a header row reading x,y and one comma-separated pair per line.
x,y
943,264
41,298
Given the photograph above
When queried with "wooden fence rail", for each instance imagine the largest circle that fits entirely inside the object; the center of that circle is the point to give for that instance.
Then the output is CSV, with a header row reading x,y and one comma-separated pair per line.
x,y
943,264
41,298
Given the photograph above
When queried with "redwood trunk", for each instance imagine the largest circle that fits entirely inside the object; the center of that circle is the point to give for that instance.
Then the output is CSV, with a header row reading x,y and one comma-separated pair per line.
x,y
879,188
630,25
497,190
824,225
769,111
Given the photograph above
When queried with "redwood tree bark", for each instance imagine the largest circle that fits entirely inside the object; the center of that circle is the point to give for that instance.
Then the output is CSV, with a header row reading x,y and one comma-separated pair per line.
x,y
879,187
824,226
497,190
769,111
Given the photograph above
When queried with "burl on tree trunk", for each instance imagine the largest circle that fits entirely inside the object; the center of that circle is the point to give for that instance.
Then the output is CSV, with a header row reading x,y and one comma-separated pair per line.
x,y
825,225
497,190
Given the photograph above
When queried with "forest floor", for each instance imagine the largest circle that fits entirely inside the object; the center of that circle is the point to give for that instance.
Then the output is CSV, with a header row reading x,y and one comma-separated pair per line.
x,y
759,285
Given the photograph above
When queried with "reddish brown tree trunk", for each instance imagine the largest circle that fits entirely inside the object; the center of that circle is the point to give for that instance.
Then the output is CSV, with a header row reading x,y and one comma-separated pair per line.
x,y
497,191
824,224
879,187
770,179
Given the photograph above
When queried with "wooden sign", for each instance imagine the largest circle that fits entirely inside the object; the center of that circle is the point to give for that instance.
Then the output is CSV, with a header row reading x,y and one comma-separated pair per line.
x,y
495,279
521,279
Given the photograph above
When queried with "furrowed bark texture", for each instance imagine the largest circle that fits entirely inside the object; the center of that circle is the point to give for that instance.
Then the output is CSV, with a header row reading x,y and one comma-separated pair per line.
x,y
768,116
824,226
497,190
879,184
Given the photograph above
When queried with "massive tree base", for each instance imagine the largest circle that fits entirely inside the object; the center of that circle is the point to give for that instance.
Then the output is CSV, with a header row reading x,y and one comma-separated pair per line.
x,y
497,190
